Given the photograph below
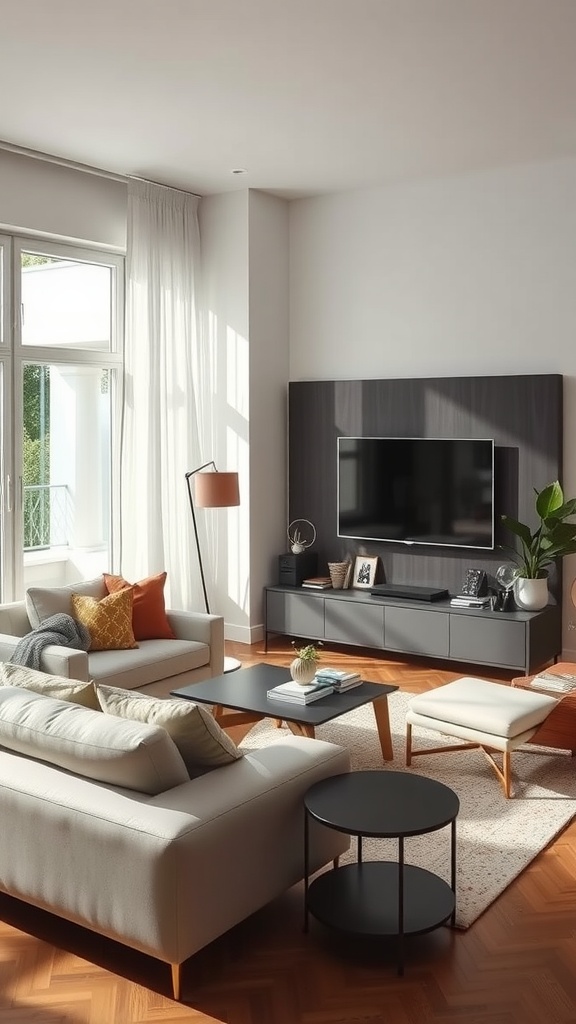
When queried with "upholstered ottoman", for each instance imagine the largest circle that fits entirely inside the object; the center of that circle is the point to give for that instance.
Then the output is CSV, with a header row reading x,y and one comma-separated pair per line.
x,y
491,716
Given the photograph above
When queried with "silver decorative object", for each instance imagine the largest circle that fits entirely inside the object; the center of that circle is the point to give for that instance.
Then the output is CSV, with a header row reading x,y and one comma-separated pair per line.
x,y
300,536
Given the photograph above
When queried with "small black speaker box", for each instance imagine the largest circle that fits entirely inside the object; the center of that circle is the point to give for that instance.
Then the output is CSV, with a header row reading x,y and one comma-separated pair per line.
x,y
292,569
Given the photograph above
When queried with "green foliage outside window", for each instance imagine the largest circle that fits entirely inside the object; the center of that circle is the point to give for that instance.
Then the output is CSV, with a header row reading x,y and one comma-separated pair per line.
x,y
36,455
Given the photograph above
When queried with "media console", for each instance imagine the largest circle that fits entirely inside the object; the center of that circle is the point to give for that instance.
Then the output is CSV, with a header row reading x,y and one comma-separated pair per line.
x,y
518,640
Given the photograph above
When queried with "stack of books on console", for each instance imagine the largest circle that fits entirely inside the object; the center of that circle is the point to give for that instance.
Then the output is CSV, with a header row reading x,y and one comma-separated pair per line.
x,y
464,601
318,583
294,693
338,678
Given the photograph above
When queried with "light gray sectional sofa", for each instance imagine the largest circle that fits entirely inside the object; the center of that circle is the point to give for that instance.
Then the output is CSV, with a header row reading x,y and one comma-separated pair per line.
x,y
135,849
155,667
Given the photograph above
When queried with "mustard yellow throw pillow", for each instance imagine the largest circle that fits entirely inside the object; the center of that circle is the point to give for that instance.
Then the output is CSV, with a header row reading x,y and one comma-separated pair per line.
x,y
108,621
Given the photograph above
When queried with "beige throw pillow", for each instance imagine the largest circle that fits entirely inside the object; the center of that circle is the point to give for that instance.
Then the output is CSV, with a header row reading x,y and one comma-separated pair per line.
x,y
42,602
199,738
71,690
128,754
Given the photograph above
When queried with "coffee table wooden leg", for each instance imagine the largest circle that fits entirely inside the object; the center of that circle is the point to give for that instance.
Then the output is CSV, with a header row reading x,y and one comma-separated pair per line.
x,y
301,729
382,717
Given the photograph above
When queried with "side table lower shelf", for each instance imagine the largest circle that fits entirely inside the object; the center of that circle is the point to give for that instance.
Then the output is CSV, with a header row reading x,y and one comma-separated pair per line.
x,y
365,899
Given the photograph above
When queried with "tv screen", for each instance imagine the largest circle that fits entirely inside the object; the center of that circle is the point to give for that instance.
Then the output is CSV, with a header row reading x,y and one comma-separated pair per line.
x,y
417,490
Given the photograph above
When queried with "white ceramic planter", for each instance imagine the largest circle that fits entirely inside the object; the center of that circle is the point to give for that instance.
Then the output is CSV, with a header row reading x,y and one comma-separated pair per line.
x,y
302,672
531,595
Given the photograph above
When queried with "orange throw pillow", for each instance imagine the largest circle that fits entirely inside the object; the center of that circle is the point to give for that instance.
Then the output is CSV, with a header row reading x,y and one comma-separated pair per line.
x,y
149,620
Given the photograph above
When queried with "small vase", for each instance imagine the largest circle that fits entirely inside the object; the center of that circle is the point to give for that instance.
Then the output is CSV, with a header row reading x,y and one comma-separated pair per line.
x,y
302,672
531,595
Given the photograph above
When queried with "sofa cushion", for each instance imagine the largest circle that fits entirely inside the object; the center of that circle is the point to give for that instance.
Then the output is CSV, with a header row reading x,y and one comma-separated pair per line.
x,y
71,690
108,621
149,620
199,738
41,602
151,661
130,754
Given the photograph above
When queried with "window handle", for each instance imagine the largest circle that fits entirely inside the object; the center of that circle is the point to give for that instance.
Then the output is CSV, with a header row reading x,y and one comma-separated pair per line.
x,y
9,493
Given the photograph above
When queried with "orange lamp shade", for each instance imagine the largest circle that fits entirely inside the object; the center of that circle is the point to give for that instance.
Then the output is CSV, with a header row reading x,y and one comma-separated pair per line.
x,y
216,490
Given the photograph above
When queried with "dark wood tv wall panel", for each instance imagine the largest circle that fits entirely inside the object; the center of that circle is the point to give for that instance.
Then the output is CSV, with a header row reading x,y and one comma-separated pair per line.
x,y
523,414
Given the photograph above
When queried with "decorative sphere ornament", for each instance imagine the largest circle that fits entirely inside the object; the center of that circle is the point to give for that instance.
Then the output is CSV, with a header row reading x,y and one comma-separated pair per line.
x,y
301,535
506,575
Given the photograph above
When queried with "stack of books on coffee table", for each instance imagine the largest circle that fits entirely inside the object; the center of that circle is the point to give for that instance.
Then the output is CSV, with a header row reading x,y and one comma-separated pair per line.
x,y
338,678
294,693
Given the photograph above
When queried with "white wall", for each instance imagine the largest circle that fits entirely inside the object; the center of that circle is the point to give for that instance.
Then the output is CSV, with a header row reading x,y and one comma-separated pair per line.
x,y
463,276
44,198
268,290
245,299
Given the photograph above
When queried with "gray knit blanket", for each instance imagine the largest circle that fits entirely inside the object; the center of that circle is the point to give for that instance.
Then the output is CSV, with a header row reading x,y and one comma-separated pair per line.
x,y
60,629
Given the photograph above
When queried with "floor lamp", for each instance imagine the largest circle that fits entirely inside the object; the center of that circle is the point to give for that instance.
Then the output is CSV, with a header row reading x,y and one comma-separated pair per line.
x,y
212,490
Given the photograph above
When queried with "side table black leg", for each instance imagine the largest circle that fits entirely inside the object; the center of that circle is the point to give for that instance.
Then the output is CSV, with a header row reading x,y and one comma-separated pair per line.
x,y
453,870
400,906
306,855
359,848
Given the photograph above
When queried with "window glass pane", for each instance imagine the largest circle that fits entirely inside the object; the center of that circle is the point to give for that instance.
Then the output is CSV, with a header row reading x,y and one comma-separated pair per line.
x,y
66,471
65,302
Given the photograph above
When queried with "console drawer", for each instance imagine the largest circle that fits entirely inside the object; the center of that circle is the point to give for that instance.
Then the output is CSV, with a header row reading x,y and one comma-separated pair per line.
x,y
417,632
488,642
349,623
295,614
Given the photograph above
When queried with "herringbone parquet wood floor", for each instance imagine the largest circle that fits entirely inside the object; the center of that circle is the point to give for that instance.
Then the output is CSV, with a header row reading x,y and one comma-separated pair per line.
x,y
515,965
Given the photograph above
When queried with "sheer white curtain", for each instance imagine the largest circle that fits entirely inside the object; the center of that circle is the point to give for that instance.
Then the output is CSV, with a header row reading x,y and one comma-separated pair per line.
x,y
160,428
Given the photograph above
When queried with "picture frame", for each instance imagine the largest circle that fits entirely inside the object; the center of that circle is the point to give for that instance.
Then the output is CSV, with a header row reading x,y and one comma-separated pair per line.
x,y
364,575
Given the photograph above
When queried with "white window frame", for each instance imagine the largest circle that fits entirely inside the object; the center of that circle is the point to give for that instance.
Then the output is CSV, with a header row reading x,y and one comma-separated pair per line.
x,y
14,355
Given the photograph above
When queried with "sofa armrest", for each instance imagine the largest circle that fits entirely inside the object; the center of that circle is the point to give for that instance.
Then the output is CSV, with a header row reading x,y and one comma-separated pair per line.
x,y
56,660
7,646
204,629
65,661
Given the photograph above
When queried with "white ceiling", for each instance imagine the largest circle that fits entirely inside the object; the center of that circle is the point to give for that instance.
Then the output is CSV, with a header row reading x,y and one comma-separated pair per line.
x,y
309,96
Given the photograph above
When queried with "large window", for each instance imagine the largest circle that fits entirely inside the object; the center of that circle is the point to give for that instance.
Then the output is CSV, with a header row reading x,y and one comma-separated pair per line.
x,y
61,358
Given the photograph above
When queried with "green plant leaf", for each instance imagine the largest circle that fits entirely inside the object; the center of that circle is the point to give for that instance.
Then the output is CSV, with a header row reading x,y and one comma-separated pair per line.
x,y
520,529
550,499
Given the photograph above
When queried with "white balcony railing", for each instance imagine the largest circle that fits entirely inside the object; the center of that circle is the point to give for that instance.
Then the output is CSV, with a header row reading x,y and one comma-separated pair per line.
x,y
47,516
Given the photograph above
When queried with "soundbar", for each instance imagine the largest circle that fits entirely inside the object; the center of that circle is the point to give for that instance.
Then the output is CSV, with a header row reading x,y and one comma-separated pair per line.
x,y
408,592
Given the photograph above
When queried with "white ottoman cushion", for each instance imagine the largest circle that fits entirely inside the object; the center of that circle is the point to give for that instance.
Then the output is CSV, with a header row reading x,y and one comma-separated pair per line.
x,y
490,708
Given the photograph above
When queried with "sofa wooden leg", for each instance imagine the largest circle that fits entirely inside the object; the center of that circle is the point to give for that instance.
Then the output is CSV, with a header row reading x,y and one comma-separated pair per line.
x,y
176,980
408,744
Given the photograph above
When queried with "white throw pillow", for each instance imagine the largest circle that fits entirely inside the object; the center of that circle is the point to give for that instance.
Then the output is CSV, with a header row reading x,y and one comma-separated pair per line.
x,y
199,738
128,754
42,602
71,690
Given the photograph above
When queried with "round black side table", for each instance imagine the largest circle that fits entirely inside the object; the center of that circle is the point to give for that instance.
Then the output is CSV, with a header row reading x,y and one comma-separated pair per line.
x,y
381,898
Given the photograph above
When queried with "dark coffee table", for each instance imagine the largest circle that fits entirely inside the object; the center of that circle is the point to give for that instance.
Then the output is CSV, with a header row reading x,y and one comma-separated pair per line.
x,y
381,898
245,692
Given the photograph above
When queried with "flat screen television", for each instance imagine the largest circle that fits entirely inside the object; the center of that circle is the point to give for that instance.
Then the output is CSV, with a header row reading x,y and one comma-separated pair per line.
x,y
417,490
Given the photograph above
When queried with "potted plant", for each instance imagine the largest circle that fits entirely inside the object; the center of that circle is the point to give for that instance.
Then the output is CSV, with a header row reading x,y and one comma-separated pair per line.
x,y
303,668
552,539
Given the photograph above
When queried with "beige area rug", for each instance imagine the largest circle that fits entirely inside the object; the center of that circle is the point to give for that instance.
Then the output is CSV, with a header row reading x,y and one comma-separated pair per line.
x,y
496,838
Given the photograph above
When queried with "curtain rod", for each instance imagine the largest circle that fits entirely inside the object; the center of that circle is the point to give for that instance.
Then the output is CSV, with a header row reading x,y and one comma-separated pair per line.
x,y
149,181
73,165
